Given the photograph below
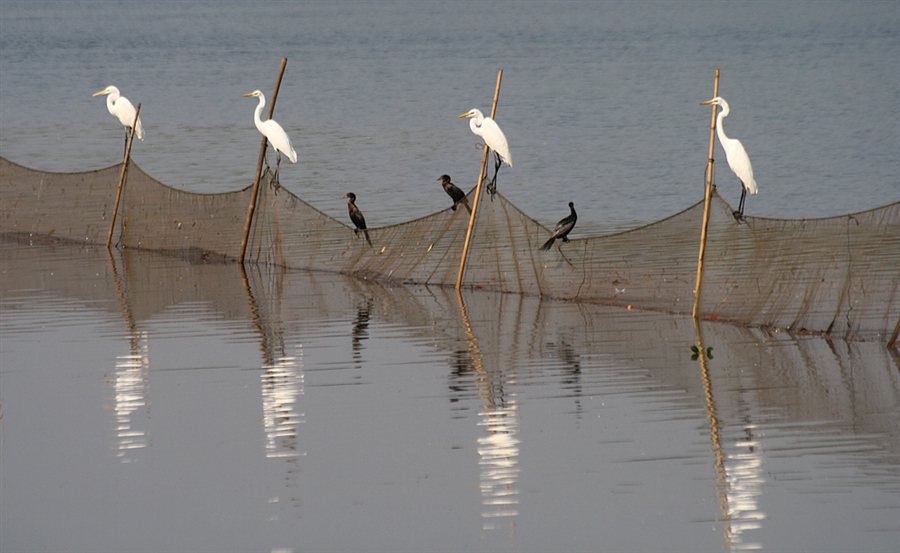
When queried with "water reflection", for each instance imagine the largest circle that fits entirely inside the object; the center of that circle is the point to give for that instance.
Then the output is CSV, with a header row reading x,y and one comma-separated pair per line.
x,y
739,473
503,357
360,329
130,383
498,447
745,479
282,385
498,459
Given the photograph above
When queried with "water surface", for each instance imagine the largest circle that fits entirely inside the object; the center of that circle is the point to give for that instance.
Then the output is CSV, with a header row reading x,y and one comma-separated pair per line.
x,y
149,403
152,404
600,101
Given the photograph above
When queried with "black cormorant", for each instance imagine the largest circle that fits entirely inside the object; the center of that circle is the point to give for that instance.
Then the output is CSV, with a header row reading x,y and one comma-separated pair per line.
x,y
563,228
455,193
357,217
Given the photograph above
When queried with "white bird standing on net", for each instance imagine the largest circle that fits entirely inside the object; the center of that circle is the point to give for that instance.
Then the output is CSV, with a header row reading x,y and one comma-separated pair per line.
x,y
273,133
487,128
119,106
735,154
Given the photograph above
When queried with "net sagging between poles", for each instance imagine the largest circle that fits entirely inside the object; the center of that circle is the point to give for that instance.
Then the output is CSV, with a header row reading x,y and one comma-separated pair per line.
x,y
836,275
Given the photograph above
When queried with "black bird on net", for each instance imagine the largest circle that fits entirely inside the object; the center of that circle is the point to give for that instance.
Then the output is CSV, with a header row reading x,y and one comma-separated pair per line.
x,y
357,217
458,196
563,228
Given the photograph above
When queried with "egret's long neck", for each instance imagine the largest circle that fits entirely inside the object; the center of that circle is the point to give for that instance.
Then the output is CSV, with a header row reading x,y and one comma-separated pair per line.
x,y
475,122
719,129
258,112
111,102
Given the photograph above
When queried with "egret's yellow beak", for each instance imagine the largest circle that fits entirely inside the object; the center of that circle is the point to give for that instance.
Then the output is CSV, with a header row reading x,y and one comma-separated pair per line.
x,y
101,92
464,115
706,103
251,94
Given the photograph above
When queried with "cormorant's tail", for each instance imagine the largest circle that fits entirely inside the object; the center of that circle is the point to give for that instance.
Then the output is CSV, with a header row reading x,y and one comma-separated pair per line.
x,y
548,244
366,232
465,202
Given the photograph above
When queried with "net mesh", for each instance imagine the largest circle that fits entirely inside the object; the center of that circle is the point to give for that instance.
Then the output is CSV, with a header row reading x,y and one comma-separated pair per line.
x,y
836,275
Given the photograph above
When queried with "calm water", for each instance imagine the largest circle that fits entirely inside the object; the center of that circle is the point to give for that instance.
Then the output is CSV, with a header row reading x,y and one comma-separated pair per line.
x,y
600,101
150,404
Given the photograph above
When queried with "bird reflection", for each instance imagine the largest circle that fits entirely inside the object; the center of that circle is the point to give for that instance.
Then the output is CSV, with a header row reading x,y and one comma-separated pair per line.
x,y
498,446
282,385
571,375
360,329
130,388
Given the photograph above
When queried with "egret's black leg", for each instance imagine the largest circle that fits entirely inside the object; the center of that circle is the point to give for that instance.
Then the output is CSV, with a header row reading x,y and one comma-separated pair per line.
x,y
275,184
492,187
739,214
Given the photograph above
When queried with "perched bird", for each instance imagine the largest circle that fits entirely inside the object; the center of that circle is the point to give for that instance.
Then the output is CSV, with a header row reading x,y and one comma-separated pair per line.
x,y
119,106
458,196
357,217
563,228
273,133
487,128
735,154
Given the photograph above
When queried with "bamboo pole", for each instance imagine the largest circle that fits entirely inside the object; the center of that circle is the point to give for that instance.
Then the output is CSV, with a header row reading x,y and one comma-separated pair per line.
x,y
112,224
707,199
892,342
484,158
262,156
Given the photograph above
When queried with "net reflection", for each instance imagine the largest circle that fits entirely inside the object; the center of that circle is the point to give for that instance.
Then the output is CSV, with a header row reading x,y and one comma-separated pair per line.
x,y
130,383
847,387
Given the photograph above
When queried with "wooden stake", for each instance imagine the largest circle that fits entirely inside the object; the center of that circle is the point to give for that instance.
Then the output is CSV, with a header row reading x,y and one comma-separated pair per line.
x,y
262,156
484,157
707,199
893,340
112,225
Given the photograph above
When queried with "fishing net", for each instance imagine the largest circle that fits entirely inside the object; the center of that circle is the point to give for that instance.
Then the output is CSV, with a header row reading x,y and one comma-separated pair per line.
x,y
835,275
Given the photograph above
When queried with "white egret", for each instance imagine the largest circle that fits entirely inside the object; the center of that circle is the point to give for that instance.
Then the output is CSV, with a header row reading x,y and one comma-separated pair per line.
x,y
563,228
119,106
356,216
273,133
735,154
487,128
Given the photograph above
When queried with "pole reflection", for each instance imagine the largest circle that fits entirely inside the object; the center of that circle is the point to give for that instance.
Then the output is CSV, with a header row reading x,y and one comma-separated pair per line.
x,y
739,475
498,447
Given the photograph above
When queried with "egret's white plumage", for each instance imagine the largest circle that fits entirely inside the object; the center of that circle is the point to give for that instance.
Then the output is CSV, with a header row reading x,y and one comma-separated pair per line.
x,y
487,128
735,153
273,132
119,106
